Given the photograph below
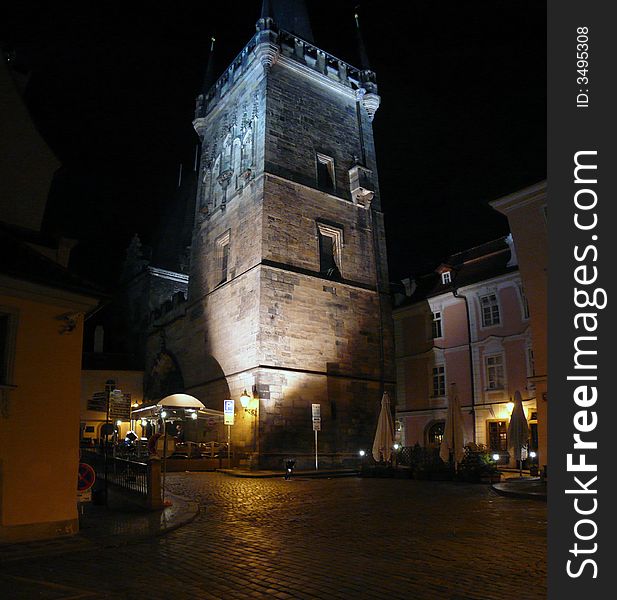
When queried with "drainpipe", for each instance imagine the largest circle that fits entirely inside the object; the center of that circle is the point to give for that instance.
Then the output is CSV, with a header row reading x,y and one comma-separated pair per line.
x,y
473,386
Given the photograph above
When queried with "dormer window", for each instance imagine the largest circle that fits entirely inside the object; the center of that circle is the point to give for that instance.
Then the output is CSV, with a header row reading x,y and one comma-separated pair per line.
x,y
446,277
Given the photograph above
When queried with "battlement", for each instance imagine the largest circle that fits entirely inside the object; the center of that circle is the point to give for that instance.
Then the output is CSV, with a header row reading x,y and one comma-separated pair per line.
x,y
267,46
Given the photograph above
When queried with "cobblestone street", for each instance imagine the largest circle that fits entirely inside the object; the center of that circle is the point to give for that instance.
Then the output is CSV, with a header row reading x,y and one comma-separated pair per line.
x,y
314,538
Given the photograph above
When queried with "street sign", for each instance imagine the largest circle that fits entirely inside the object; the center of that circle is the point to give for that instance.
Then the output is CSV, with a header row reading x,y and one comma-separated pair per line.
x,y
316,410
84,496
316,423
119,406
228,410
85,477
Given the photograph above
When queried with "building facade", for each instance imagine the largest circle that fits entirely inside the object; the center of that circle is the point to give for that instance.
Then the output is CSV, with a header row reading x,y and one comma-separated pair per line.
x,y
527,215
468,323
288,296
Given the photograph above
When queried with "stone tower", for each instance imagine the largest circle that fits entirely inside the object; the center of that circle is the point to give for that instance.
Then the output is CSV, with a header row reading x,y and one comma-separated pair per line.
x,y
288,296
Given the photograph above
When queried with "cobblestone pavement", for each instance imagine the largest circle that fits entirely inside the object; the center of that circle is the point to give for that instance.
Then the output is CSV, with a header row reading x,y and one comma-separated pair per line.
x,y
322,538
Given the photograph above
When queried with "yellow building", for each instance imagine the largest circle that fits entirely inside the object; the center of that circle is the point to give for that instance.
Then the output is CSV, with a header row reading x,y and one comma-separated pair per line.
x,y
526,211
42,306
41,321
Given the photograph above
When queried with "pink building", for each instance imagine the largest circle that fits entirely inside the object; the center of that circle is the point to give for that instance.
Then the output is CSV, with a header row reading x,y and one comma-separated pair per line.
x,y
466,323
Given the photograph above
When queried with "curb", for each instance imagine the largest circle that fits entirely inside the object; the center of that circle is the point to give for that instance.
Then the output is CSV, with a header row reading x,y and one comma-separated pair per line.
x,y
296,475
502,490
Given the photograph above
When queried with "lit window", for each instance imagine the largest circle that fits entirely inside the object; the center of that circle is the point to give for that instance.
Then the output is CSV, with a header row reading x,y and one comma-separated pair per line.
x,y
446,277
439,381
494,372
497,436
330,254
325,172
434,434
222,256
490,310
436,325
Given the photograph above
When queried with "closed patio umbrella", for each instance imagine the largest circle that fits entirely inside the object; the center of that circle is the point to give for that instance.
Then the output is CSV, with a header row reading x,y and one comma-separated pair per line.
x,y
384,435
518,430
453,436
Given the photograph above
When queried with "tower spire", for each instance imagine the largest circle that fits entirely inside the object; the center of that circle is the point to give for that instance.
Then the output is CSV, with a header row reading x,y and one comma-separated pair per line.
x,y
361,48
367,92
209,76
266,19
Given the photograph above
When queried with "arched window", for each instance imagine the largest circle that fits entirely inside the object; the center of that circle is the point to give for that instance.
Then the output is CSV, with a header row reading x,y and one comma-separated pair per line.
x,y
434,433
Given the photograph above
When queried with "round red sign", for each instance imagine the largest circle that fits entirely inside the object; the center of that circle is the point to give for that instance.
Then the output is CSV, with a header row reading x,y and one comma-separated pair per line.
x,y
85,477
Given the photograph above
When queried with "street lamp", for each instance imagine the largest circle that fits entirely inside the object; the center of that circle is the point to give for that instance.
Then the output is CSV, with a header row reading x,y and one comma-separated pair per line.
x,y
244,401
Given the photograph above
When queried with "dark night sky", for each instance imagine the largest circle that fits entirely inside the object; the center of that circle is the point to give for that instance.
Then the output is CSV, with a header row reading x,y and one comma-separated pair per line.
x,y
462,119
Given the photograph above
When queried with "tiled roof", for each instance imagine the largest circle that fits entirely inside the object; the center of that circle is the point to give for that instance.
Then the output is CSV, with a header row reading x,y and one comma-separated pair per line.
x,y
467,267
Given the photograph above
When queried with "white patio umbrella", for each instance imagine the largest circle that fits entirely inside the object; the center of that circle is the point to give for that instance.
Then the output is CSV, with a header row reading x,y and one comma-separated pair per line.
x,y
175,401
454,432
384,435
518,430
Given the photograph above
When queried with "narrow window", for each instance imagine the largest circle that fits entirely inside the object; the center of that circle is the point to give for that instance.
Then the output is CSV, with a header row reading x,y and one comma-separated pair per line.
x,y
446,277
4,349
330,254
490,310
439,381
436,326
494,372
524,302
222,256
325,172
99,338
531,363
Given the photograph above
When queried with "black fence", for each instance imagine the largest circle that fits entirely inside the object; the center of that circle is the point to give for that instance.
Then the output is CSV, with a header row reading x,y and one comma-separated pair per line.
x,y
141,479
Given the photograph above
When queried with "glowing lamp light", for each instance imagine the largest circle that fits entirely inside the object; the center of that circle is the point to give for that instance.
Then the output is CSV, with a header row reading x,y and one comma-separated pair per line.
x,y
245,399
164,414
144,422
194,416
118,422
396,446
495,456
532,454
362,452
510,406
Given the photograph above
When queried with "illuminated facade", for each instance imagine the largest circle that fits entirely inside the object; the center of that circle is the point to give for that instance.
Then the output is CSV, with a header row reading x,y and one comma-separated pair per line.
x,y
468,323
288,294
526,211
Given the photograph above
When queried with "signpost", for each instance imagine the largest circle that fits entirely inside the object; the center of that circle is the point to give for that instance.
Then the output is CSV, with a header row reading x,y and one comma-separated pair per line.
x,y
316,412
228,411
86,477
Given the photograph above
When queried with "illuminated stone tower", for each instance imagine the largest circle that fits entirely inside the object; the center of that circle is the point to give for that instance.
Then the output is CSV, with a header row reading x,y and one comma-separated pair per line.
x,y
288,295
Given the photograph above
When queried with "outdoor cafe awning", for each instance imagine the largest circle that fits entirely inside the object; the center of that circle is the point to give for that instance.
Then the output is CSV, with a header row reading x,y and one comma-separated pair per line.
x,y
153,411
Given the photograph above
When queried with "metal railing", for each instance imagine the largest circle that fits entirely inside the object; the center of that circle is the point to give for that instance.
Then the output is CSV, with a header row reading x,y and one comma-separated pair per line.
x,y
140,479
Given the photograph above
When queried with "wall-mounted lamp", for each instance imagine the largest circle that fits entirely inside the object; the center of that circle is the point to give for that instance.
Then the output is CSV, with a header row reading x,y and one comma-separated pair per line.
x,y
244,401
